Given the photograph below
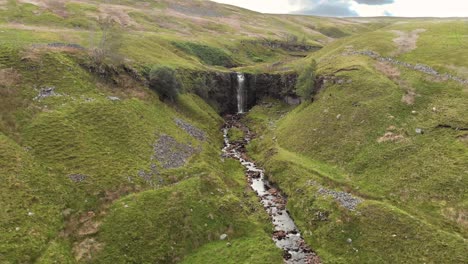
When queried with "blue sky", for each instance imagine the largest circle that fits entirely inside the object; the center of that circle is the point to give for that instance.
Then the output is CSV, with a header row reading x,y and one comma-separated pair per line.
x,y
405,8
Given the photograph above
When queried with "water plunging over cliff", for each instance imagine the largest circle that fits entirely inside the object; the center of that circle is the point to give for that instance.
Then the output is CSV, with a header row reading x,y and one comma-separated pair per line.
x,y
240,92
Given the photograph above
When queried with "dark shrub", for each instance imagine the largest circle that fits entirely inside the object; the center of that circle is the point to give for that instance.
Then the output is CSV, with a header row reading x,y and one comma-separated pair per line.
x,y
207,54
306,81
164,81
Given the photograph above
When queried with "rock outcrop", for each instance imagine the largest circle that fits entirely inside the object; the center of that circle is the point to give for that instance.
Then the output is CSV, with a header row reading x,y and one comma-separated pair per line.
x,y
219,89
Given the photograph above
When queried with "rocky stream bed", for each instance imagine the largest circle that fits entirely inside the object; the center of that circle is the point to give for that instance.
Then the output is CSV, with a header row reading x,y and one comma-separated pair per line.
x,y
286,234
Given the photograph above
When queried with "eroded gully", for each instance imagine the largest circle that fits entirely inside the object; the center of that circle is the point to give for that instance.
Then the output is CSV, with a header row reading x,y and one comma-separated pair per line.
x,y
286,234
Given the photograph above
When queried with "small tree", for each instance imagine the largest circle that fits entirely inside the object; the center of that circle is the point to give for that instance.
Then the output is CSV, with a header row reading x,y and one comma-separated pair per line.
x,y
164,81
306,81
291,39
109,42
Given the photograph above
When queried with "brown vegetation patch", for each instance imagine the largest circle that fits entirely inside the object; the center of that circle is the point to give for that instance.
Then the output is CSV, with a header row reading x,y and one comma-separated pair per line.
x,y
409,97
460,216
406,41
388,70
3,5
34,53
460,71
86,249
83,227
81,223
463,138
9,77
392,135
393,73
119,14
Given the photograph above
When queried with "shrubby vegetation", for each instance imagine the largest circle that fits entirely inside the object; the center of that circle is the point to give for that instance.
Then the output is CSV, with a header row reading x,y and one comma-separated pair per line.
x,y
165,82
207,54
110,39
306,81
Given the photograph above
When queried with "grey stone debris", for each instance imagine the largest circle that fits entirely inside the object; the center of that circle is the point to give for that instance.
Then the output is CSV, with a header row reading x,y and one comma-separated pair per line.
x,y
419,131
46,92
347,200
59,45
349,240
66,45
223,236
147,176
418,67
190,129
113,98
172,154
77,177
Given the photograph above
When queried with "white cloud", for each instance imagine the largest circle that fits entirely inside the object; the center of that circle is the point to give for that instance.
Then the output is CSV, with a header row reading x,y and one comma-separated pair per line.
x,y
433,8
407,8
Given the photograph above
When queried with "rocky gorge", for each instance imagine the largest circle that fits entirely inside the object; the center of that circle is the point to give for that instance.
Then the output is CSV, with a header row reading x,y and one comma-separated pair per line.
x,y
219,89
286,234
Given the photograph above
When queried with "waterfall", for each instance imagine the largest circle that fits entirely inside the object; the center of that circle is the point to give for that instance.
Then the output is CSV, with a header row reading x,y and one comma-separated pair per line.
x,y
240,92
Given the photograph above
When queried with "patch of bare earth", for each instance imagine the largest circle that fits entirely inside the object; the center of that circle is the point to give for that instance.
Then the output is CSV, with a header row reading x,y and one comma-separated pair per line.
x,y
460,71
40,28
3,4
84,227
9,77
119,14
458,216
406,41
392,135
86,249
463,138
388,70
392,72
409,97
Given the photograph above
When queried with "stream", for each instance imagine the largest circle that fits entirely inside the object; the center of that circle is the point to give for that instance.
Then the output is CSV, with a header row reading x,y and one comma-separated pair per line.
x,y
286,234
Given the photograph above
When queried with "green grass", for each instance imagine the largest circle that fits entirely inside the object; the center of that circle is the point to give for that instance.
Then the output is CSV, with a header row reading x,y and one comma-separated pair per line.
x,y
414,190
414,187
235,134
83,132
243,250
209,55
166,224
31,209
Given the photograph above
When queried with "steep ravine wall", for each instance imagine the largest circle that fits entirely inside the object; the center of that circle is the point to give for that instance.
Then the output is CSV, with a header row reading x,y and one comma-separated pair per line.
x,y
220,88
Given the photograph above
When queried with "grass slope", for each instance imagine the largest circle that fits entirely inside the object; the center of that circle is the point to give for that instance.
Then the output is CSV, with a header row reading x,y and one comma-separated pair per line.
x,y
360,136
413,185
82,130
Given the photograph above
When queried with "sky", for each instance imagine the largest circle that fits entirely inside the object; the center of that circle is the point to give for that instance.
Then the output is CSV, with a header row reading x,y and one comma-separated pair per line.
x,y
402,8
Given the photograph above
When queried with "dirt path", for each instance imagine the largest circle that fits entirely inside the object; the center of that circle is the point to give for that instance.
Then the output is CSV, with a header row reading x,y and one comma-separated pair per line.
x,y
407,40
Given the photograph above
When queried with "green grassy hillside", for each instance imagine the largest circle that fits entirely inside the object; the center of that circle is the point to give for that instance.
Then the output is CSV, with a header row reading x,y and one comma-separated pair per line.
x,y
74,144
96,168
174,33
391,135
